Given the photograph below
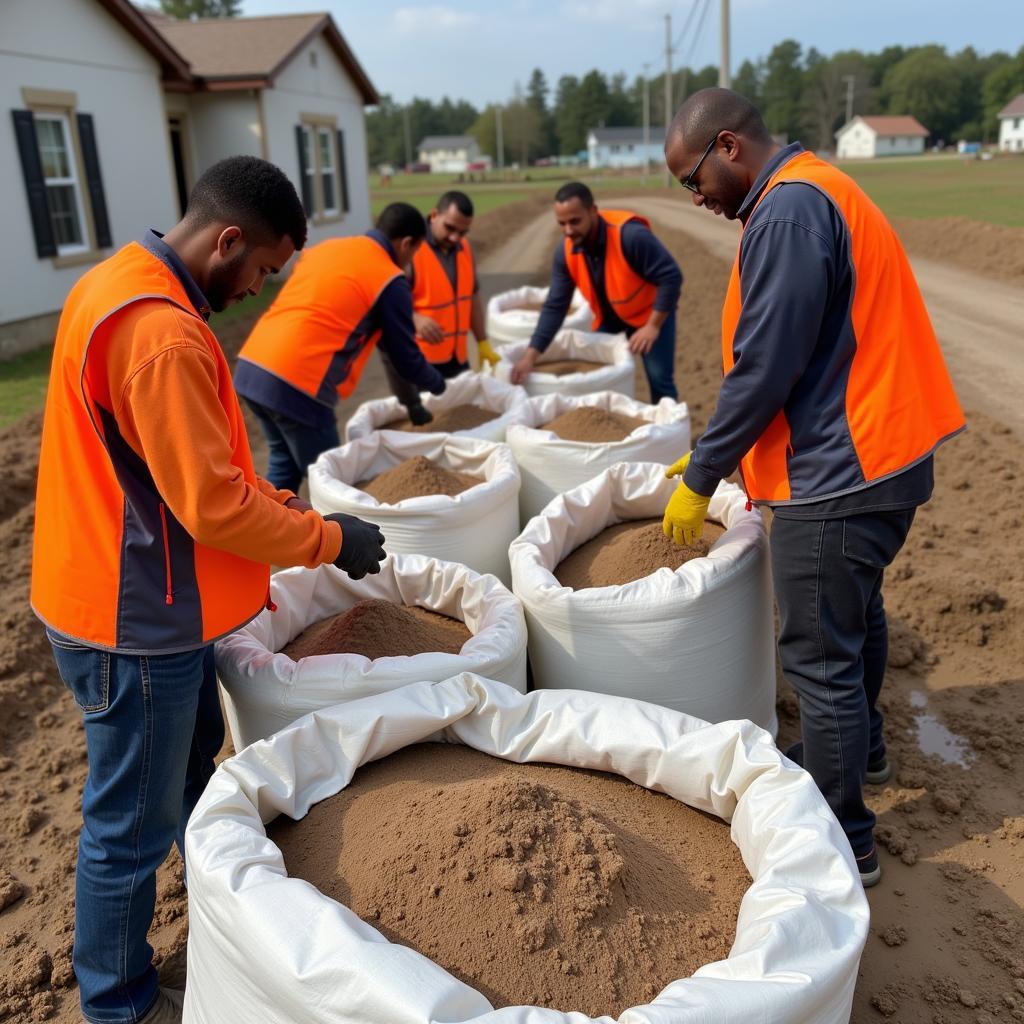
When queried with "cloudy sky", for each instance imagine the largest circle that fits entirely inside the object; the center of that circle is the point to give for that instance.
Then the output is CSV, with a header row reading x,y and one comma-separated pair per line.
x,y
479,49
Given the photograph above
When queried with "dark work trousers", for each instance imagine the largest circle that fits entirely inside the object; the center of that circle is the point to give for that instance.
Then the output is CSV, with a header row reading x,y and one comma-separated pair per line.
x,y
293,446
833,644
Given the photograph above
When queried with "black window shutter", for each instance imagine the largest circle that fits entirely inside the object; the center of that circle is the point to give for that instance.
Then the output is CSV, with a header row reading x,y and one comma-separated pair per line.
x,y
343,167
93,180
305,185
35,183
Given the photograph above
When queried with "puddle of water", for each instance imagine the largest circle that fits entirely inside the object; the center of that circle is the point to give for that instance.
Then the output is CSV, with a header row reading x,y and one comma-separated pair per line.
x,y
935,739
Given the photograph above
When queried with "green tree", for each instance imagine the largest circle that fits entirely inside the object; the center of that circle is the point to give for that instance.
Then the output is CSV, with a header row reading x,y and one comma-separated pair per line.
x,y
189,10
747,82
825,91
568,128
925,85
783,89
1002,83
537,98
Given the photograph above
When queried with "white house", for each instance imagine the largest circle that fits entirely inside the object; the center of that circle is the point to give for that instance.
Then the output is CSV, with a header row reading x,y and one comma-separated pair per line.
x,y
448,154
880,136
115,112
624,147
1011,125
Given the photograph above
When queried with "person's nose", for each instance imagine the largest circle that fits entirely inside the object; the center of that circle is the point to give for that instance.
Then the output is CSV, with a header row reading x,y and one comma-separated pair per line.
x,y
698,199
257,285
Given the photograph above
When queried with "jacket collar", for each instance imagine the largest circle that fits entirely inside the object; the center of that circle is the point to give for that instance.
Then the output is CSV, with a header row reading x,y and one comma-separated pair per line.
x,y
783,156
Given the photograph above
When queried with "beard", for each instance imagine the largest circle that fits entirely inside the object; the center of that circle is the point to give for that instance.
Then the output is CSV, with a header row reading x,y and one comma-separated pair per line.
x,y
224,286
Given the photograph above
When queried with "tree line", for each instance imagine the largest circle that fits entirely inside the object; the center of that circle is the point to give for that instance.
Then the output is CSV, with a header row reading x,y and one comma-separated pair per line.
x,y
802,95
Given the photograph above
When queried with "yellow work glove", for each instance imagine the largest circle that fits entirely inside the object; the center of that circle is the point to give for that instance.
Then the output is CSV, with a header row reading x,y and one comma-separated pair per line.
x,y
487,354
686,509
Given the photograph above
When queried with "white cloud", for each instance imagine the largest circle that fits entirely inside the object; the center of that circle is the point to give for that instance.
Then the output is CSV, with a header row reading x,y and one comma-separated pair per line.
x,y
431,18
614,11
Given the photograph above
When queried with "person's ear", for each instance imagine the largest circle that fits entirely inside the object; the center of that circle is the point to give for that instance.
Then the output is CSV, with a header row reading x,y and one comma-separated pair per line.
x,y
730,144
228,241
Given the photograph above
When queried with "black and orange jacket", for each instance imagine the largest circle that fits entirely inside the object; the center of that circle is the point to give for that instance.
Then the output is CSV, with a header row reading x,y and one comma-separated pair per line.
x,y
448,302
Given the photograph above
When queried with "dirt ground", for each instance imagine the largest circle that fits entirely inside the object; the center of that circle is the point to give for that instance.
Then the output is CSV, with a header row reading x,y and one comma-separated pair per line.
x,y
947,934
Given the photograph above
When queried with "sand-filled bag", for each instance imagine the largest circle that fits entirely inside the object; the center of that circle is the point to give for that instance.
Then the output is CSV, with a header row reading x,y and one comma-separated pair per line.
x,y
572,438
583,363
269,947
513,315
698,638
473,405
265,689
473,526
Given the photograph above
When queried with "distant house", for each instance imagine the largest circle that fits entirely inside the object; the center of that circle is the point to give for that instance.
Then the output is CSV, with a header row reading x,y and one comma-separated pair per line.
x,y
1011,125
115,111
880,136
624,147
448,154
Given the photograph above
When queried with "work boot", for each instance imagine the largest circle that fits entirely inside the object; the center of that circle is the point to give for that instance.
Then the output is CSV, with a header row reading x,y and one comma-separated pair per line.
x,y
869,868
167,1009
878,772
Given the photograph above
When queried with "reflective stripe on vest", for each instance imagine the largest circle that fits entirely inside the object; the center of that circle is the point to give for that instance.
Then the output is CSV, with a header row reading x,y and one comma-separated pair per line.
x,y
111,565
629,295
316,335
899,400
434,295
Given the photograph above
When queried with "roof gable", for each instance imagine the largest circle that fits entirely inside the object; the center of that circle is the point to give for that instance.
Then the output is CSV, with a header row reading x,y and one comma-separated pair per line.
x,y
1015,108
888,126
447,142
174,65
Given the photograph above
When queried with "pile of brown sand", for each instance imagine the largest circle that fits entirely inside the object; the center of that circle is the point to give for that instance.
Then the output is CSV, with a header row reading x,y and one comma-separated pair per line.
x,y
416,478
592,424
563,367
535,307
628,552
380,629
458,417
535,884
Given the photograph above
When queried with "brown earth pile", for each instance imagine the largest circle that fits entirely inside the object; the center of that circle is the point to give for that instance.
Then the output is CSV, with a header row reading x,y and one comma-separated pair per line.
x,y
379,629
536,307
416,478
535,884
630,551
458,417
563,367
993,250
590,423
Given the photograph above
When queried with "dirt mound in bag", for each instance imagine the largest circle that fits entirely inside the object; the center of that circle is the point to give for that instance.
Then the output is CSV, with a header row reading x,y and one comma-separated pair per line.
x,y
416,478
590,423
380,629
628,552
535,884
531,306
563,367
458,417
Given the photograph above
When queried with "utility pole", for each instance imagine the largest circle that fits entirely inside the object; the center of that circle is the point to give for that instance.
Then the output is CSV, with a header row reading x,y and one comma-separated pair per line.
x,y
724,74
849,80
500,139
668,85
647,123
408,137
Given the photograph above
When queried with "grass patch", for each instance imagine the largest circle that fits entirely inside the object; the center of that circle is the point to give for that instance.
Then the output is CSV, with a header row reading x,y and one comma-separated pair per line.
x,y
249,307
23,384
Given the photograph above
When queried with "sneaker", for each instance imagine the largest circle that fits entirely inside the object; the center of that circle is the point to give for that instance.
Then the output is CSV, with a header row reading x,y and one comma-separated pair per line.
x,y
869,868
167,1009
878,772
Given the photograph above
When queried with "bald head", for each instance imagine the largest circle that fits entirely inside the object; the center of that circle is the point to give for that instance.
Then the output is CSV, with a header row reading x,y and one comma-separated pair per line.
x,y
710,111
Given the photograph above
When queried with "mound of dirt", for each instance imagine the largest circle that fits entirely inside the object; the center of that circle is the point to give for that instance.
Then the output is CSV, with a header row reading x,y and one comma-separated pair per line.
x,y
458,417
591,424
630,551
379,629
416,478
563,367
994,250
535,884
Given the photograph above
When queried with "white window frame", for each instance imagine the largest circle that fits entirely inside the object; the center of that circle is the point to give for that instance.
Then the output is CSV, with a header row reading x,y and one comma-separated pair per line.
x,y
73,180
332,169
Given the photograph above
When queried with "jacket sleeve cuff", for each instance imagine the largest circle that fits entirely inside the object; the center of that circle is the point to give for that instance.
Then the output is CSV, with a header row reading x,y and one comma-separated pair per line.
x,y
701,481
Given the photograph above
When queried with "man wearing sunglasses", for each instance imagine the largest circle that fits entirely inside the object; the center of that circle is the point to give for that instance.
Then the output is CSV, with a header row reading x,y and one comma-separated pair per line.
x,y
834,400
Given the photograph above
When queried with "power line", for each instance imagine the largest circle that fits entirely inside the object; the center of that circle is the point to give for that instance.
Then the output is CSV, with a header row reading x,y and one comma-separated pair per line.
x,y
686,24
697,31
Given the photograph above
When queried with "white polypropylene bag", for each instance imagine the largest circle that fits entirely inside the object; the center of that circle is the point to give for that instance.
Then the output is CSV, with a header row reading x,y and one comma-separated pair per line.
x,y
469,388
618,372
269,948
474,527
264,690
508,320
699,640
550,465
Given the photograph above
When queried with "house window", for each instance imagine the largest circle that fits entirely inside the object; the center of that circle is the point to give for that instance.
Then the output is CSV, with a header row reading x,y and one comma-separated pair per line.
x,y
63,193
326,165
322,167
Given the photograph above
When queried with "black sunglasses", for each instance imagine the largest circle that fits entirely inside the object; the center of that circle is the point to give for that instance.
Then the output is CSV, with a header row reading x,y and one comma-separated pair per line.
x,y
688,181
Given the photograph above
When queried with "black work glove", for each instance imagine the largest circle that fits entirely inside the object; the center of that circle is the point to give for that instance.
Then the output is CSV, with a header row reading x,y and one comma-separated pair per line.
x,y
362,545
419,414
439,385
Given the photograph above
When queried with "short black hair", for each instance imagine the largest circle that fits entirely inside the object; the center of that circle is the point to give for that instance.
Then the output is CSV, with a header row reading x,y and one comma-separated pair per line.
x,y
714,110
575,190
252,193
401,220
459,200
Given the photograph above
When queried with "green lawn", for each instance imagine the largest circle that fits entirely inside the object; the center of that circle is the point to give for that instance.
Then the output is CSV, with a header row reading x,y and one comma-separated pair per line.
x,y
23,383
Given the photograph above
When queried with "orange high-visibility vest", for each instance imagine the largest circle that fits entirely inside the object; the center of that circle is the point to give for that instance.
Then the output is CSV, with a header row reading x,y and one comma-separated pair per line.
x,y
629,295
434,295
111,565
315,335
899,399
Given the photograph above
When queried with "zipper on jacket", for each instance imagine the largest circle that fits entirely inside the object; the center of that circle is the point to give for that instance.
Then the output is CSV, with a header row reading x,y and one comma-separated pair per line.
x,y
169,595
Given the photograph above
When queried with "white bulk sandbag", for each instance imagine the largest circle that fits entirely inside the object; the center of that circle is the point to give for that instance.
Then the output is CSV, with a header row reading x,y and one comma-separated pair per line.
x,y
508,320
469,388
617,374
550,465
264,690
474,527
269,948
699,640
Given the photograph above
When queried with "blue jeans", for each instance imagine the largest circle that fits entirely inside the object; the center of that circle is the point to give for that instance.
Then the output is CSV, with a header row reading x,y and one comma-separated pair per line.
x,y
659,363
833,645
153,726
293,446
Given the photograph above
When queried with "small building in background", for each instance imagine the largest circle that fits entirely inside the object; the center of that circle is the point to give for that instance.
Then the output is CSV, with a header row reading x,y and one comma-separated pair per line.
x,y
1011,126
448,154
870,136
624,147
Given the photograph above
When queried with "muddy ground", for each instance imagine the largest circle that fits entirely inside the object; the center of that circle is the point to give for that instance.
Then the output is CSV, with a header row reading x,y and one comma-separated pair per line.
x,y
947,935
